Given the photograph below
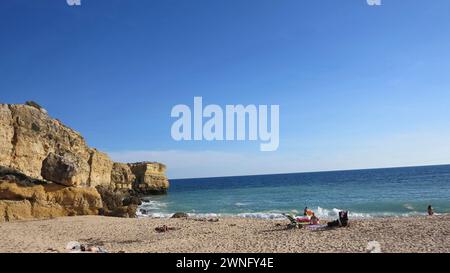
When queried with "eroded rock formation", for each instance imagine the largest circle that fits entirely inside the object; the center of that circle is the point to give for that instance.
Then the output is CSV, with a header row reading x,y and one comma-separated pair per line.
x,y
142,177
29,135
150,178
122,177
22,198
42,148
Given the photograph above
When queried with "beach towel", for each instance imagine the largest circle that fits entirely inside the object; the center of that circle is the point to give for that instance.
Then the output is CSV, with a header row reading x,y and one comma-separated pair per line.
x,y
315,227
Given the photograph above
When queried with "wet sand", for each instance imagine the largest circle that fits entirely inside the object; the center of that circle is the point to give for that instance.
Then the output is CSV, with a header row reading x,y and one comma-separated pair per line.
x,y
412,234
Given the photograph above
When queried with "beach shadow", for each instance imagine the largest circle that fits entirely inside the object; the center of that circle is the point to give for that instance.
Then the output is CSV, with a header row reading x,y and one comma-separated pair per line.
x,y
279,228
126,242
321,229
97,242
287,227
92,241
329,229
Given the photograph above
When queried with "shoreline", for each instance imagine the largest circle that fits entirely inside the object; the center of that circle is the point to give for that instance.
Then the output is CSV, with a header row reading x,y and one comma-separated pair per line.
x,y
227,235
280,217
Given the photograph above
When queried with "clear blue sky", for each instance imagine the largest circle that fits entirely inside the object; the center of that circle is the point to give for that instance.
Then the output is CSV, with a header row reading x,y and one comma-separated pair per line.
x,y
358,86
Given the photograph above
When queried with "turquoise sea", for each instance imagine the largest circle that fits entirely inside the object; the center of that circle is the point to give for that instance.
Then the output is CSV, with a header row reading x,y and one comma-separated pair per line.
x,y
365,193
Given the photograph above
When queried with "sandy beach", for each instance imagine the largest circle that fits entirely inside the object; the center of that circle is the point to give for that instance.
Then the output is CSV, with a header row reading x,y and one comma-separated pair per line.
x,y
412,234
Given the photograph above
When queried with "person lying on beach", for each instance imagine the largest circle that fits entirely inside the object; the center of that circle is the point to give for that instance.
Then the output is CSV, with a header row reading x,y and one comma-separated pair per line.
x,y
430,210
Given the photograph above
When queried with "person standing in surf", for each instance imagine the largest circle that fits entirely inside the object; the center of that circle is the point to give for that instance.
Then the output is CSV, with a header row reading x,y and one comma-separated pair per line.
x,y
430,210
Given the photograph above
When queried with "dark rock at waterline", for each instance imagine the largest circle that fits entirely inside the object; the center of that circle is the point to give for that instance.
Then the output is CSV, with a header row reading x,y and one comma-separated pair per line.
x,y
122,212
180,215
117,203
131,200
111,199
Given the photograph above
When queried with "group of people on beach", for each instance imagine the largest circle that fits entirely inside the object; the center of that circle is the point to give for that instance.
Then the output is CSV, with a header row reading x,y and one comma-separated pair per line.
x,y
314,220
309,217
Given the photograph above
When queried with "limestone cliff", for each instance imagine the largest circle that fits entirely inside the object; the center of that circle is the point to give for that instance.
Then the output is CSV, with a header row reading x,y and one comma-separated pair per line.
x,y
150,177
30,137
122,177
143,178
42,148
22,198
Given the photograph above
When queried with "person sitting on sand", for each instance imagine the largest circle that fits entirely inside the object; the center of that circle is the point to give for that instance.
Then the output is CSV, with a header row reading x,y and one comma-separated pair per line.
x,y
314,219
430,210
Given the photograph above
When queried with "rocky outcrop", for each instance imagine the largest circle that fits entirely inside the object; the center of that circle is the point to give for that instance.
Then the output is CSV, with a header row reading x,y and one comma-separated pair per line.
x,y
43,148
144,178
30,135
40,148
66,169
6,135
117,203
122,177
101,168
22,198
150,178
180,215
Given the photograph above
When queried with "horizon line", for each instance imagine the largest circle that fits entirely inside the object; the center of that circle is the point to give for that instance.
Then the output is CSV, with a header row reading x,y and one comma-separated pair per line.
x,y
308,172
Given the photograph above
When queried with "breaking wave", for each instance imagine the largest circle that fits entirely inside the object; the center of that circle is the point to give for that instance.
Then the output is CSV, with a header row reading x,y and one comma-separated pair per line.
x,y
156,209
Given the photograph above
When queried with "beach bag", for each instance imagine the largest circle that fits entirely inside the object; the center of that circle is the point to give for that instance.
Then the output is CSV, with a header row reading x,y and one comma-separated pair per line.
x,y
341,222
343,218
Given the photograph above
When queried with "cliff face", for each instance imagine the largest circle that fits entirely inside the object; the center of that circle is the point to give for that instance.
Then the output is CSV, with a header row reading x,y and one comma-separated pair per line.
x,y
142,177
150,177
46,201
22,198
34,143
122,177
40,147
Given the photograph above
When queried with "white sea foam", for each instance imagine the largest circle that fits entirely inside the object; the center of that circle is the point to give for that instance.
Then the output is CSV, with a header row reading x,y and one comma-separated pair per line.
x,y
157,209
152,208
276,216
334,213
261,215
139,214
152,205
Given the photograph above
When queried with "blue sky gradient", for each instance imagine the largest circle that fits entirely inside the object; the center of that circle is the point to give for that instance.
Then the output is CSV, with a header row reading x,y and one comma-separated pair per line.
x,y
358,86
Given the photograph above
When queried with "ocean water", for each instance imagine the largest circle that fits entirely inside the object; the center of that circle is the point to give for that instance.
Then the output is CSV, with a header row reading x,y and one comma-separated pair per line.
x,y
365,193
